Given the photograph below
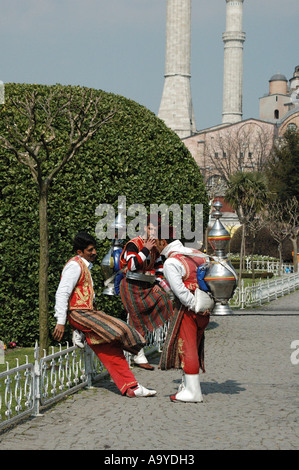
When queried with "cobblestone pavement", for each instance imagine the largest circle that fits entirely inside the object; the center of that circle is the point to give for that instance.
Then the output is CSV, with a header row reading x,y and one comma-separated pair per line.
x,y
250,389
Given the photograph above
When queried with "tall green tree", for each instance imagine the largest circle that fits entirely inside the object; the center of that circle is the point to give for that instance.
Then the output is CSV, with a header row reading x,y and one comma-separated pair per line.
x,y
34,136
283,221
283,181
282,168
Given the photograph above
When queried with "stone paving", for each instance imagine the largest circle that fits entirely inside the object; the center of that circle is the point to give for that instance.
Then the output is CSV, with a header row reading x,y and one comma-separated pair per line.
x,y
250,389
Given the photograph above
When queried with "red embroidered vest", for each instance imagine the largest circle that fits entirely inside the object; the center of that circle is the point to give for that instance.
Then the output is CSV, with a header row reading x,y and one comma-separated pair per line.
x,y
139,242
82,296
190,264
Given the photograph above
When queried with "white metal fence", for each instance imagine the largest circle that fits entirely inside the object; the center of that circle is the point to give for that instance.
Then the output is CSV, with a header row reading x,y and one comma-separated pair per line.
x,y
28,389
269,266
264,291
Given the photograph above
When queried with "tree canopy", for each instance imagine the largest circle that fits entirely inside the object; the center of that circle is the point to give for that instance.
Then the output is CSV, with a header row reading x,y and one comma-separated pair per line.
x,y
135,156
247,193
282,169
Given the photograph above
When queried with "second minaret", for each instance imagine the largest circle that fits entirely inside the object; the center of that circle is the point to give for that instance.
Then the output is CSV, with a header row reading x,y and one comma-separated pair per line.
x,y
233,39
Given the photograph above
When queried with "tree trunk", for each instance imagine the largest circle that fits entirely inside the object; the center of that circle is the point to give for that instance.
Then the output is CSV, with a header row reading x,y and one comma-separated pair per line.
x,y
280,258
241,254
295,249
43,270
252,257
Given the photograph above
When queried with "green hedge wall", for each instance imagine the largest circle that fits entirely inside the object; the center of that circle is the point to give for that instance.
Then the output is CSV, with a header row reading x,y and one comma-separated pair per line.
x,y
136,156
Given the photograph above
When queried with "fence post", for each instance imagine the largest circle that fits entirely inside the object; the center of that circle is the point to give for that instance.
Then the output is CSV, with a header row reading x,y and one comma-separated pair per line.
x,y
282,286
242,293
36,381
260,292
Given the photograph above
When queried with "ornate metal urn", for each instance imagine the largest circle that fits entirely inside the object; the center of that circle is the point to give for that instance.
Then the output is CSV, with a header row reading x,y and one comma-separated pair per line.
x,y
220,277
110,261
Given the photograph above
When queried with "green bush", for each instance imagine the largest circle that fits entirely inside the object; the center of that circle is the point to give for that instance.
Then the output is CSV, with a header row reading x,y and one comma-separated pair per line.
x,y
135,156
258,275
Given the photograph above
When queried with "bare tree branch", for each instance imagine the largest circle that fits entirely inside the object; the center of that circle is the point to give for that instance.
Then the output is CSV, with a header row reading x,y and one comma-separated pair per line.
x,y
232,149
83,114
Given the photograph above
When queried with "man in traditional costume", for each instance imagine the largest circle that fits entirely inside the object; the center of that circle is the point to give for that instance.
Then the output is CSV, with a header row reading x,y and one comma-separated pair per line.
x,y
107,336
143,290
184,344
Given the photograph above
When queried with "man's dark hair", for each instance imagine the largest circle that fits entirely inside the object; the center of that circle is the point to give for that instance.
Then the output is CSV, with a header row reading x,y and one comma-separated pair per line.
x,y
166,232
82,240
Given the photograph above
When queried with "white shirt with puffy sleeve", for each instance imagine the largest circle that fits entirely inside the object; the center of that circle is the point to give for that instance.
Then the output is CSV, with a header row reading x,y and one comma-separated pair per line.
x,y
174,271
70,276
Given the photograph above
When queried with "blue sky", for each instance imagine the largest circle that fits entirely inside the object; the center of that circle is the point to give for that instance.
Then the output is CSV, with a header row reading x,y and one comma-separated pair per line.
x,y
119,46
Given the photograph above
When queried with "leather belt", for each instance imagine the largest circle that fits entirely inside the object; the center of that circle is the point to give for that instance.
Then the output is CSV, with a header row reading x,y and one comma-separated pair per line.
x,y
140,277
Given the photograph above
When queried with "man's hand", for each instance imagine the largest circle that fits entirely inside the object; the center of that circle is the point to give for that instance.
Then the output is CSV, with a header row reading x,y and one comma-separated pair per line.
x,y
157,288
150,243
58,332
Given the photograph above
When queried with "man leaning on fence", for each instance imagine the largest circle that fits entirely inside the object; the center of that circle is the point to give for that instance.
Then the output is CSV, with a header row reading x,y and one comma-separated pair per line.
x,y
106,335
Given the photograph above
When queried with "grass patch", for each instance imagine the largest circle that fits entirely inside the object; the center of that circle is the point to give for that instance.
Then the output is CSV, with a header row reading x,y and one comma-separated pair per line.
x,y
9,394
11,356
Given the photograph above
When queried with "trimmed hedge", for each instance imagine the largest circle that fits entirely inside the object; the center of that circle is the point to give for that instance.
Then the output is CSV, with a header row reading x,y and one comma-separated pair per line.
x,y
258,275
136,156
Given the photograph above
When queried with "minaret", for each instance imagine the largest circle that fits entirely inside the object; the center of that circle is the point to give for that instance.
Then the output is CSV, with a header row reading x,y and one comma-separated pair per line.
x,y
233,39
176,108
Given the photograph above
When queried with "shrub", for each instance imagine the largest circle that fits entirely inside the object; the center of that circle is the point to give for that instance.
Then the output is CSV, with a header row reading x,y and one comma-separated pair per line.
x,y
258,275
136,156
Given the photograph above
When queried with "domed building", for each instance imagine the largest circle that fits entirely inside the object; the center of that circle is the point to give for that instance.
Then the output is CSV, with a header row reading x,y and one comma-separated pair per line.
x,y
244,146
234,144
273,104
281,104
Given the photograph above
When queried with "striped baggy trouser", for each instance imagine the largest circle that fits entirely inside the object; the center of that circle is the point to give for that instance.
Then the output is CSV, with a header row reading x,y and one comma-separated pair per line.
x,y
107,329
108,336
147,309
